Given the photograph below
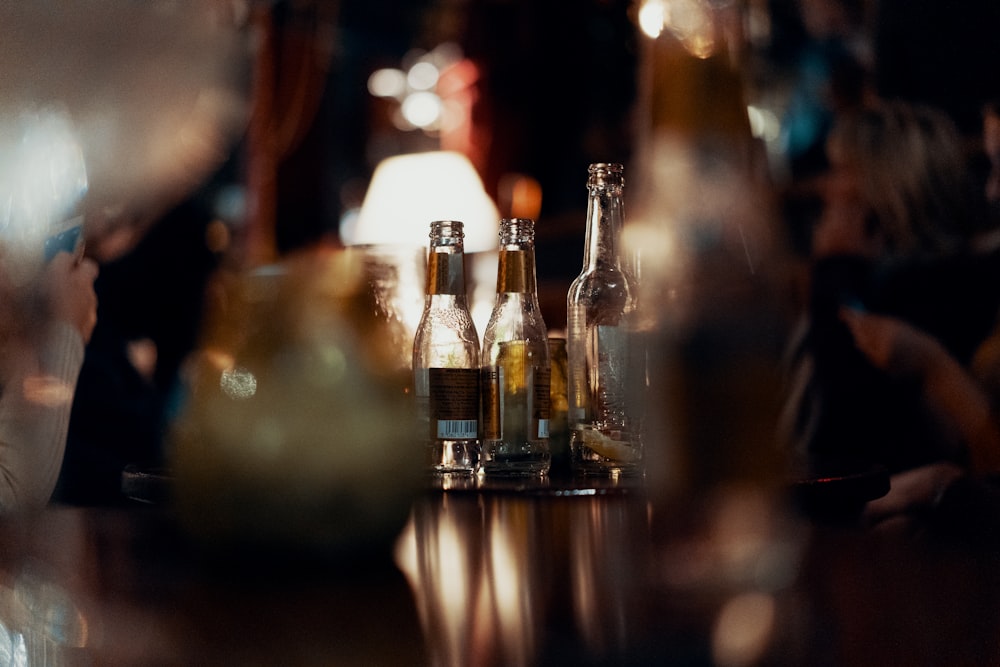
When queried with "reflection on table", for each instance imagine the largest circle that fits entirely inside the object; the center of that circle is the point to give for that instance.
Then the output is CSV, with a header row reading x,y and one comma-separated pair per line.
x,y
513,574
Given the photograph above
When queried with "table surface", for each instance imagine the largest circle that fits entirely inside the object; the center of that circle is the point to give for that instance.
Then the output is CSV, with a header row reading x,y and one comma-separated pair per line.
x,y
505,575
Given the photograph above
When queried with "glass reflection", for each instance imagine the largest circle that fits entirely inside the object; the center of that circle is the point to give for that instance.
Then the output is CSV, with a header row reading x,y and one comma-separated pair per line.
x,y
39,622
441,552
519,580
603,573
52,612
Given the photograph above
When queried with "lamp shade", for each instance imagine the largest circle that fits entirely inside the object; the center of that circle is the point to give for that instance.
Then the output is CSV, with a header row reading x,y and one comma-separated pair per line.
x,y
408,192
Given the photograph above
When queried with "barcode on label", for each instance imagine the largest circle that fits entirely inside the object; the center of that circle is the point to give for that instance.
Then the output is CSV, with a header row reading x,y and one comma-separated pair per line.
x,y
457,429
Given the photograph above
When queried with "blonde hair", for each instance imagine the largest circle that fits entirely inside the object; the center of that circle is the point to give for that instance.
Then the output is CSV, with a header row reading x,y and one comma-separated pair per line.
x,y
912,172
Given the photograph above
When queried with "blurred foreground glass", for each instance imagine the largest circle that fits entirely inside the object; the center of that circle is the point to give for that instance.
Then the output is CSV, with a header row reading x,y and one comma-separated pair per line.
x,y
704,230
123,107
393,275
296,431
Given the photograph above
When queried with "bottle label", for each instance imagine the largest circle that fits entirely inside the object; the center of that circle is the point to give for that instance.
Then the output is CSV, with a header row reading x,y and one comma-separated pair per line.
x,y
516,271
492,383
454,403
445,273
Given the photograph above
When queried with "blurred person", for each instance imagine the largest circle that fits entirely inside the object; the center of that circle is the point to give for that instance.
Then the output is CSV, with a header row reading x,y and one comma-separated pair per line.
x,y
949,499
150,293
991,149
900,300
830,76
44,326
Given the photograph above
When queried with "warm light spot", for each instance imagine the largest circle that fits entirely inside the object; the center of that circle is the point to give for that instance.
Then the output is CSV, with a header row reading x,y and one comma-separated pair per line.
x,y
422,109
652,15
521,195
142,354
690,21
408,191
387,82
423,75
238,383
764,124
743,630
217,359
47,390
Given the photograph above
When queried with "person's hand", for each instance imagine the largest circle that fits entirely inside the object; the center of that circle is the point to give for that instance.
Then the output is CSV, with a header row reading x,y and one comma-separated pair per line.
x,y
69,290
892,344
912,490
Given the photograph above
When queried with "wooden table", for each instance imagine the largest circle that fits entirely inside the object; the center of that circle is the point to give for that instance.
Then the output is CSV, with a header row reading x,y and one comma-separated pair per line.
x,y
502,576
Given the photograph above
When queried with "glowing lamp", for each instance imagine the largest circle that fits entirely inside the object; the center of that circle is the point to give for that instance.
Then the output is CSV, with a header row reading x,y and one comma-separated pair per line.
x,y
408,192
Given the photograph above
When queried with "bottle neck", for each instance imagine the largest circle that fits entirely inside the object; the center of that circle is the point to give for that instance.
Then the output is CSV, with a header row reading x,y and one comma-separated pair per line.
x,y
605,219
516,269
446,270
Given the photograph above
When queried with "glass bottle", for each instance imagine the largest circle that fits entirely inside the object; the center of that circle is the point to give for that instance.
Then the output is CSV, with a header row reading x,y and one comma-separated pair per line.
x,y
446,357
558,409
516,367
604,431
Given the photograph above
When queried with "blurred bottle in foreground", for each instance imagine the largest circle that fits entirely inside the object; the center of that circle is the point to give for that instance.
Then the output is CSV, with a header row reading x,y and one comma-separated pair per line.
x,y
516,367
706,231
605,438
296,433
446,358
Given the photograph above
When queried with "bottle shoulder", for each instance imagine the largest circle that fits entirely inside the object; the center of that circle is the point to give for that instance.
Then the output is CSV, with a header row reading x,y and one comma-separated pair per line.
x,y
515,320
453,349
445,322
602,284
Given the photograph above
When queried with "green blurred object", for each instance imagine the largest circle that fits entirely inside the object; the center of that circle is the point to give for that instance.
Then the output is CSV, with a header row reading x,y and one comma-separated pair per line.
x,y
296,432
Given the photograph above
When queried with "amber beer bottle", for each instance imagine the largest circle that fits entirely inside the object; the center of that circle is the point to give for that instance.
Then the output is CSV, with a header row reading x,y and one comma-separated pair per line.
x,y
516,367
446,358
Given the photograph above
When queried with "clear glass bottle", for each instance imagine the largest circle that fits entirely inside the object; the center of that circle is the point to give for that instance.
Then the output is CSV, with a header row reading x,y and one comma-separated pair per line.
x,y
558,409
604,428
516,367
446,358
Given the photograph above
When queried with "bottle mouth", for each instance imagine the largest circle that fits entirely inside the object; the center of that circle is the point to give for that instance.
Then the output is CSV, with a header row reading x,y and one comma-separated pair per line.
x,y
447,231
606,167
517,230
606,174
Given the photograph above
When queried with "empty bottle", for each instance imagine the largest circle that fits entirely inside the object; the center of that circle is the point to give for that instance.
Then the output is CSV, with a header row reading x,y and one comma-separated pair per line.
x,y
604,429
